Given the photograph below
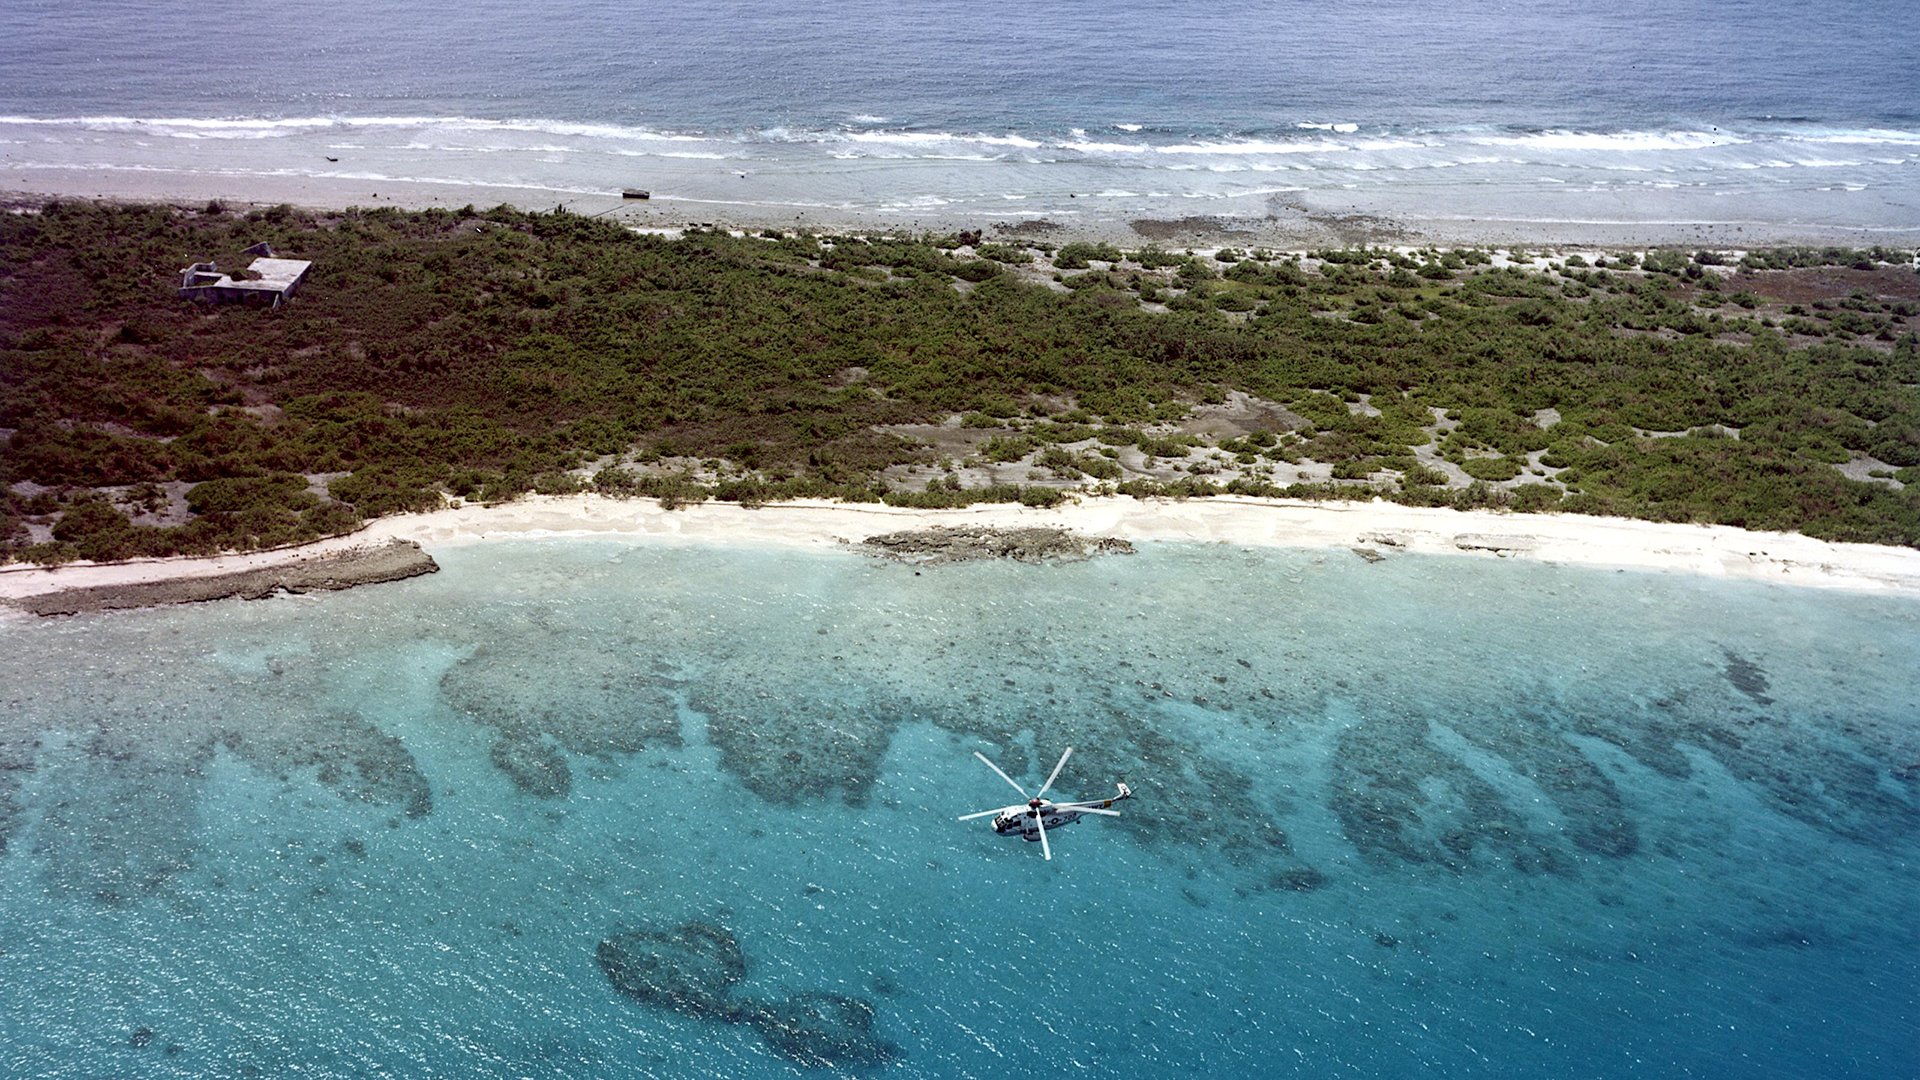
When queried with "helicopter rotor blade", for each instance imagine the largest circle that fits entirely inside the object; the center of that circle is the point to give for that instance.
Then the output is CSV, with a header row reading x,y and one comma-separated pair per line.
x,y
1055,774
1001,775
984,813
1039,822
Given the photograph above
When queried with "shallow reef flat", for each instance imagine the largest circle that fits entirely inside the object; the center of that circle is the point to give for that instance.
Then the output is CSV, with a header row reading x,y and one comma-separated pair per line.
x,y
691,810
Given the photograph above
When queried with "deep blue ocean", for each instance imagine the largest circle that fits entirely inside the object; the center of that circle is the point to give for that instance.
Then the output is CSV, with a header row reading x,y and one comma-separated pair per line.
x,y
1769,115
1431,816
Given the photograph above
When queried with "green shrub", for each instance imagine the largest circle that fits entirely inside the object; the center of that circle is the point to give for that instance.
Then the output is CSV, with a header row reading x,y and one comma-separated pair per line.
x,y
1491,468
381,490
232,495
1004,253
1077,255
1004,448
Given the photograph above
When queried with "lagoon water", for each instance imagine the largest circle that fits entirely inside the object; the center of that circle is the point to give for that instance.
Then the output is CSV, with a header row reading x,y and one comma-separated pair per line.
x,y
1760,118
1427,816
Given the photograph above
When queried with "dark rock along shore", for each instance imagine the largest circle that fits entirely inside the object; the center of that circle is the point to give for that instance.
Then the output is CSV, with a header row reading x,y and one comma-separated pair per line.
x,y
963,543
394,561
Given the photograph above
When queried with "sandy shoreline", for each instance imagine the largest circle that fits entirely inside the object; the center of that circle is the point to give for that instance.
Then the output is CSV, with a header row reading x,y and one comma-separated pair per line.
x,y
1384,528
1313,220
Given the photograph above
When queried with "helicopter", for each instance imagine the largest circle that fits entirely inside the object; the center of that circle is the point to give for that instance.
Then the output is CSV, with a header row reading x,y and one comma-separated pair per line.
x,y
1030,820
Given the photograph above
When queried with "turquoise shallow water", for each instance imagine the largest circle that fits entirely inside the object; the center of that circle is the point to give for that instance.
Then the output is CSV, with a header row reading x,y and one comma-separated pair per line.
x,y
1453,816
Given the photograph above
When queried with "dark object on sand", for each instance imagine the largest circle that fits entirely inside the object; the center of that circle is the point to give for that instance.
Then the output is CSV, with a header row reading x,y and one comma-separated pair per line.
x,y
635,193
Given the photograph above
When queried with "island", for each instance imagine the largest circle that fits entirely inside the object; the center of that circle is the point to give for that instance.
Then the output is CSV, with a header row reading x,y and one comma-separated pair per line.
x,y
444,361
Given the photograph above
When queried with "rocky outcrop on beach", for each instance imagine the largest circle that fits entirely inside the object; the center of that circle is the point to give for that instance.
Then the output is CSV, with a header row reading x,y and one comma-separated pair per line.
x,y
965,543
345,569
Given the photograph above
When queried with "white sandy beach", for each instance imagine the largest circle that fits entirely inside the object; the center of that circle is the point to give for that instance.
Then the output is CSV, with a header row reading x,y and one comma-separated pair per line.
x,y
694,193
1386,528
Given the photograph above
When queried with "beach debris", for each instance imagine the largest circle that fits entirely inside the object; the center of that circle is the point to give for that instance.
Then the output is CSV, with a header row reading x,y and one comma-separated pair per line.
x,y
966,543
693,968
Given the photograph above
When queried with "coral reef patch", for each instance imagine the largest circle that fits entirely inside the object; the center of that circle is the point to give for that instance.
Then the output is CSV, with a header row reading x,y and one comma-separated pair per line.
x,y
822,1029
785,751
688,968
611,704
350,755
1746,677
693,969
1400,798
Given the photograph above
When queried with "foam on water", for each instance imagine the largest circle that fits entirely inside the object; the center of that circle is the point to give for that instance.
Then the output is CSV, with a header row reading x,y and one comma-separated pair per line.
x,y
884,101
1459,817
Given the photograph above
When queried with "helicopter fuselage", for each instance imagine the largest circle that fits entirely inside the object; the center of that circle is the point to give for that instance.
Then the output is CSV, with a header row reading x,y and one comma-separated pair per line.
x,y
1021,823
1037,817
1025,821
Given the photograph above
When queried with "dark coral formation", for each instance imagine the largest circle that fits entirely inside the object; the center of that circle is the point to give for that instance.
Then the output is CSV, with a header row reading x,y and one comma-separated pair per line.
x,y
349,754
966,543
117,829
608,704
535,765
694,968
785,750
1747,677
689,969
16,761
1401,798
1532,744
822,1029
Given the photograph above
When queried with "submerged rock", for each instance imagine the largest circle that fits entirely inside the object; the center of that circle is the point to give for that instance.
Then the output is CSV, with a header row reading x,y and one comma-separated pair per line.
x,y
1746,676
688,969
822,1029
610,705
965,543
533,766
349,753
693,968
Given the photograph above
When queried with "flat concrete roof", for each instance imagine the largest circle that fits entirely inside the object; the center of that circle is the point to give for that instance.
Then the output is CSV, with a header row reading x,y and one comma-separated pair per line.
x,y
275,273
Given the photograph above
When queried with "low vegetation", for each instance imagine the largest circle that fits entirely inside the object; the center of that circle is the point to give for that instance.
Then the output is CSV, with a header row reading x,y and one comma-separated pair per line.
x,y
469,355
